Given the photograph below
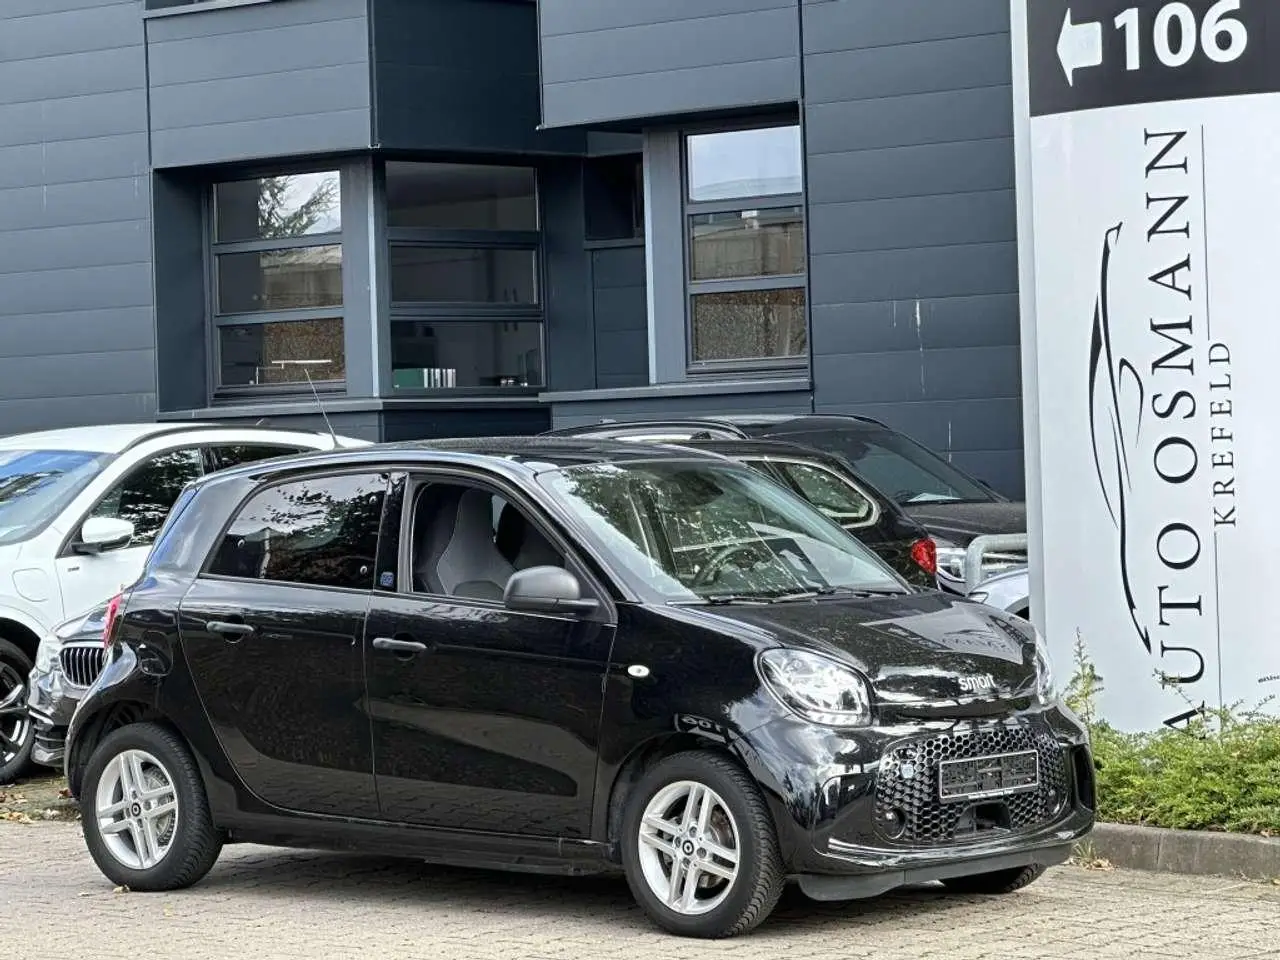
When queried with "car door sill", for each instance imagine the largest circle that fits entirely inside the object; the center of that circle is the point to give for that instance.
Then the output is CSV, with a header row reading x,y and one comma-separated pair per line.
x,y
543,855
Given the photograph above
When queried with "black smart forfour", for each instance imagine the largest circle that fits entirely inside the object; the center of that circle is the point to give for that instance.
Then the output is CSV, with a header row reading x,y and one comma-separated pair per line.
x,y
567,656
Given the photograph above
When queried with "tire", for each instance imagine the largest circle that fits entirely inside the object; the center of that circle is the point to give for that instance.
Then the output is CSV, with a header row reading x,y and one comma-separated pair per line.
x,y
17,731
189,840
722,906
1000,882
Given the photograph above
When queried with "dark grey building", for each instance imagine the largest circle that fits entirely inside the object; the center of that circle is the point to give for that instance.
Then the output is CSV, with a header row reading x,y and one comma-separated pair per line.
x,y
475,216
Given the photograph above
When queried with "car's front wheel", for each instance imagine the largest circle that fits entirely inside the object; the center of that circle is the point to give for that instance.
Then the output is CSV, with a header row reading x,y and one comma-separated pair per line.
x,y
145,815
17,732
699,847
1001,881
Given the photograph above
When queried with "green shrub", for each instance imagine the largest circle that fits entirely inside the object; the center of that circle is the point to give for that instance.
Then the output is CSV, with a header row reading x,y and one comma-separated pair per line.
x,y
1219,771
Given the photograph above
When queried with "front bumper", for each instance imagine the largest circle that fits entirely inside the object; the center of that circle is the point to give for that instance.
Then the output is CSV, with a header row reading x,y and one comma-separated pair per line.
x,y
51,702
859,812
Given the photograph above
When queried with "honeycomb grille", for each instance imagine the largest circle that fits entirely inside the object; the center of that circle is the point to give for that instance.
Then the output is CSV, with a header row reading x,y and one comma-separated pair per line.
x,y
909,810
82,664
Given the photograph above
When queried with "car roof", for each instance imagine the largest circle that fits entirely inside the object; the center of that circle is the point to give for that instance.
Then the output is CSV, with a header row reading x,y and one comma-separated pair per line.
x,y
524,455
739,424
116,438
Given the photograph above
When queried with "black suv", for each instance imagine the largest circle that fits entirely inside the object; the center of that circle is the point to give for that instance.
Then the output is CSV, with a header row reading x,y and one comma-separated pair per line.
x,y
827,482
955,507
566,656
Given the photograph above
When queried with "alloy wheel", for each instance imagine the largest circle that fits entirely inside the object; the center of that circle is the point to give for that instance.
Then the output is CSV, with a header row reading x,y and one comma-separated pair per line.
x,y
689,848
15,722
136,806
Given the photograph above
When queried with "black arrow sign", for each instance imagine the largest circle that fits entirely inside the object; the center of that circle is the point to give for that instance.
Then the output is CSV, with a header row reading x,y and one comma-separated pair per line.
x,y
1086,54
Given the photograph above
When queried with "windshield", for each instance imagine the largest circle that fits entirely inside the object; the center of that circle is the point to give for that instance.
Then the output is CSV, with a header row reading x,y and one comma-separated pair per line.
x,y
695,531
899,466
36,485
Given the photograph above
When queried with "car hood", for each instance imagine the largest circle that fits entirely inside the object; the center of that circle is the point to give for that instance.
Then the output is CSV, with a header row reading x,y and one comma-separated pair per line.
x,y
961,522
915,649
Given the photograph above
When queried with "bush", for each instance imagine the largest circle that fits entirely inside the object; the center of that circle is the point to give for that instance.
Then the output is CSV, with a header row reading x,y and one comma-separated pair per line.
x,y
1220,771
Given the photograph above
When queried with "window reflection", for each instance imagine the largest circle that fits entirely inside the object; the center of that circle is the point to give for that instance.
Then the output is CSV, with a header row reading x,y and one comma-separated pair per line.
x,y
763,162
277,208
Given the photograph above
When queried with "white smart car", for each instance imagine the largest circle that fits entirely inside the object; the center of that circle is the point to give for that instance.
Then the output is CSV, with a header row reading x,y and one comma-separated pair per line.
x,y
79,509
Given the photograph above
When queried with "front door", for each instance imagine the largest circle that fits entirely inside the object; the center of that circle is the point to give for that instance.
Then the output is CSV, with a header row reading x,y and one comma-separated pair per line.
x,y
483,718
274,635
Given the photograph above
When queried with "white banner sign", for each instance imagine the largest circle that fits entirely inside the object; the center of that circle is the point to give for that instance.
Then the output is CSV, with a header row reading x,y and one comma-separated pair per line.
x,y
1155,198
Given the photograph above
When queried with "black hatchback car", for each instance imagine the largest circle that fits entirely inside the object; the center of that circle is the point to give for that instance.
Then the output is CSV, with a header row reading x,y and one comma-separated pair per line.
x,y
566,656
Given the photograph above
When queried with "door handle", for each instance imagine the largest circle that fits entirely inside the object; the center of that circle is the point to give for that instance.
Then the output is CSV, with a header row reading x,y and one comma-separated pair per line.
x,y
229,630
401,648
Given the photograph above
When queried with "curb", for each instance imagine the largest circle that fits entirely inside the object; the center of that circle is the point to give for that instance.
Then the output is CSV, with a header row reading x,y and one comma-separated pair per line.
x,y
1196,852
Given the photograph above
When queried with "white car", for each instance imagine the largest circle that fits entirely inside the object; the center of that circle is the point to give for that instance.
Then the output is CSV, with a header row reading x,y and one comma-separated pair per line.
x,y
1009,591
79,509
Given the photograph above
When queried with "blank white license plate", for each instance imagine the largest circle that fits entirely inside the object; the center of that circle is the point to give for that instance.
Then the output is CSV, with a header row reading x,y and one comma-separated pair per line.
x,y
994,776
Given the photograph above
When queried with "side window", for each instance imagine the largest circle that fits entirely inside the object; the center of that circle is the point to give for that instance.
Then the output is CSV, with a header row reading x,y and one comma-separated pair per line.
x,y
839,500
225,456
146,494
468,541
320,532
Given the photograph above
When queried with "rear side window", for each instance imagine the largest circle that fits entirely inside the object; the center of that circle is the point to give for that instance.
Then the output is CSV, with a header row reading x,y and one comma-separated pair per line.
x,y
226,456
320,532
839,500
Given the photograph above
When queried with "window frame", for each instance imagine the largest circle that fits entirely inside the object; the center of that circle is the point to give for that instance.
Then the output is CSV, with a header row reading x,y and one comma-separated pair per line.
x,y
444,312
215,248
290,479
692,288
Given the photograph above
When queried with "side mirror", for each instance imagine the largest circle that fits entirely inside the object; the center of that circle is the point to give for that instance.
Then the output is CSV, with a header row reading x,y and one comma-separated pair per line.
x,y
100,534
546,590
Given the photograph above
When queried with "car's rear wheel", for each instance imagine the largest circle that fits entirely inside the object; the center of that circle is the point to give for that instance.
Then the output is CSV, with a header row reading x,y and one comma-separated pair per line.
x,y
699,847
145,815
1001,881
17,731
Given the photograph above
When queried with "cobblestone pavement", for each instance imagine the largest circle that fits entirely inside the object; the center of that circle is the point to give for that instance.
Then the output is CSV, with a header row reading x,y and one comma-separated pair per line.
x,y
271,904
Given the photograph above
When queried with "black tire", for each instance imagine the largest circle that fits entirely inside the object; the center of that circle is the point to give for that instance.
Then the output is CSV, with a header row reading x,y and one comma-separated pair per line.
x,y
15,762
999,882
196,843
761,877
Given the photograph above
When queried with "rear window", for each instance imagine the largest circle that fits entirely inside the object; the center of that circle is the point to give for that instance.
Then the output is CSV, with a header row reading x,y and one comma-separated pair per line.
x,y
320,532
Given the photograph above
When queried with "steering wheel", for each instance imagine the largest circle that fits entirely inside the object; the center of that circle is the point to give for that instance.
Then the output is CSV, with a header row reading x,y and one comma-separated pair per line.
x,y
722,556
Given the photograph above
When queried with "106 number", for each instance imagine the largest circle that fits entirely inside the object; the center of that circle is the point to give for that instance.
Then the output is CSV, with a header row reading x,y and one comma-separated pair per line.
x,y
1222,37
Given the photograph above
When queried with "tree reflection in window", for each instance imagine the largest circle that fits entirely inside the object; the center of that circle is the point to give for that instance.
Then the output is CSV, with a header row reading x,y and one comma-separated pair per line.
x,y
145,496
319,532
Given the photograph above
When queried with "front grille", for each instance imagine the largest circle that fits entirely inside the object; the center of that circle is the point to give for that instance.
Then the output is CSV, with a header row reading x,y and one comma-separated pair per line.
x,y
909,810
81,664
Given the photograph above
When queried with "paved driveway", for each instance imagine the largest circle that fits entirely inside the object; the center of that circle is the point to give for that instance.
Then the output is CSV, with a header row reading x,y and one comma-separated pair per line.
x,y
269,904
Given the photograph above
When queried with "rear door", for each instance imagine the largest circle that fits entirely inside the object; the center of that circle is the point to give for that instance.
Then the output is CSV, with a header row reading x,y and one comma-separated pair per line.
x,y
273,632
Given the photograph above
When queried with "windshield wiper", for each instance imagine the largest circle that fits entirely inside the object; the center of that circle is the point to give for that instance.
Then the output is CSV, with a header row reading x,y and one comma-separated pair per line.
x,y
840,591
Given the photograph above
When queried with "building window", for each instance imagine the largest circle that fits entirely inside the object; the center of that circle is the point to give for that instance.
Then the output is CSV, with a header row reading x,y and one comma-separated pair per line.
x,y
613,189
465,277
745,247
277,282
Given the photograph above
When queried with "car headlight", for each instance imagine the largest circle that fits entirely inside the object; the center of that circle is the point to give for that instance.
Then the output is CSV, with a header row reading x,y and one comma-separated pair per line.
x,y
979,596
1045,692
817,688
47,653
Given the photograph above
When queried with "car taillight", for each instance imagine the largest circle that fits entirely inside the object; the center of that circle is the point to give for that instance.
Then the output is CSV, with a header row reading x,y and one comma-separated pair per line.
x,y
109,621
925,554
